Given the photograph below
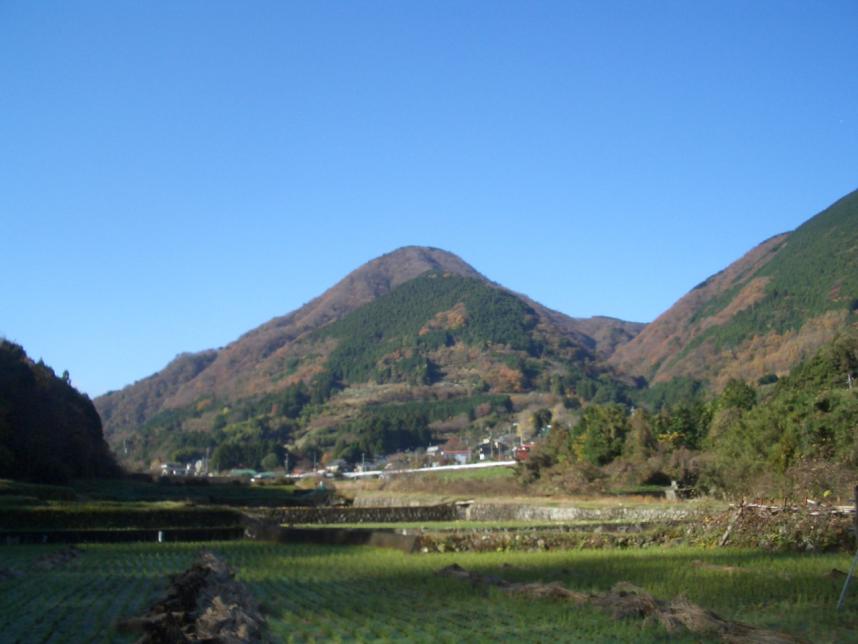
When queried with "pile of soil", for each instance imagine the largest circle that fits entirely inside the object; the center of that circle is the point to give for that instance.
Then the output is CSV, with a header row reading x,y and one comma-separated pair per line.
x,y
45,562
58,558
625,600
203,604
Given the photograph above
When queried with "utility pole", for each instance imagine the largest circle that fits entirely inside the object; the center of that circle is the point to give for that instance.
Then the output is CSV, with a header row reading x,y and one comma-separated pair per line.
x,y
363,461
842,598
849,379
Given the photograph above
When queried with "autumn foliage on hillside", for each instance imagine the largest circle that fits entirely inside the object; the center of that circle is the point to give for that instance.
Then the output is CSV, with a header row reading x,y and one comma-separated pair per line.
x,y
775,437
775,306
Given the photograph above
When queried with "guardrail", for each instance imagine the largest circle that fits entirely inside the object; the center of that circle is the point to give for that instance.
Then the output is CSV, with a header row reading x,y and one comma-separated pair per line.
x,y
429,470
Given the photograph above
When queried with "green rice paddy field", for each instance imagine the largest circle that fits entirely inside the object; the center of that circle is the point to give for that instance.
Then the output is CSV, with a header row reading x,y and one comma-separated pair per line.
x,y
327,593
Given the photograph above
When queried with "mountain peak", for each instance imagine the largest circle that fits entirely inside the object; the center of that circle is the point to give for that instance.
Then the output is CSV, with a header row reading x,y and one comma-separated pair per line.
x,y
259,361
373,279
408,262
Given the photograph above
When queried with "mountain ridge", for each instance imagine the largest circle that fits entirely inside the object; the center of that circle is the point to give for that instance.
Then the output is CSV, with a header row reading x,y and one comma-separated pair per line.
x,y
247,365
765,312
417,343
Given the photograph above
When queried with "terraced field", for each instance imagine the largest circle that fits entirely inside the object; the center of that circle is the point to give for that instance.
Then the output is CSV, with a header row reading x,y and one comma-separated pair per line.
x,y
80,600
325,593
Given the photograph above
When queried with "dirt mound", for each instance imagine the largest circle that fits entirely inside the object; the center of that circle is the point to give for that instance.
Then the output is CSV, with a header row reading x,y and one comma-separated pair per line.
x,y
625,600
203,604
45,562
58,558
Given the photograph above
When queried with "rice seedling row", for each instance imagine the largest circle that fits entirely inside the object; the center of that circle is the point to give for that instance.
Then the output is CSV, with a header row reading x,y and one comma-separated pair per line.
x,y
328,593
82,599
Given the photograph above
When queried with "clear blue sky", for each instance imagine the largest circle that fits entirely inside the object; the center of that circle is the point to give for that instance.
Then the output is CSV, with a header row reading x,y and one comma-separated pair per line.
x,y
173,174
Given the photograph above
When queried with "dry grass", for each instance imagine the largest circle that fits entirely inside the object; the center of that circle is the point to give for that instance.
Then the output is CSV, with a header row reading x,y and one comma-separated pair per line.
x,y
625,600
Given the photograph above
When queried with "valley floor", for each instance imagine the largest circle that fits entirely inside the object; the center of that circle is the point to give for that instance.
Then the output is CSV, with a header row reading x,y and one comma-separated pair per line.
x,y
329,593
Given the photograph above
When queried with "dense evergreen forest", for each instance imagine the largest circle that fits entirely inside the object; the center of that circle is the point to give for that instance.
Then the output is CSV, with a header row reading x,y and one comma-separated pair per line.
x,y
49,432
423,314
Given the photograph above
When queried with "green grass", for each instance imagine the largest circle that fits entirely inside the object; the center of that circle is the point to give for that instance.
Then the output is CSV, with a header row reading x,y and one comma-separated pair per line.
x,y
482,474
82,600
53,515
236,494
324,593
17,489
638,490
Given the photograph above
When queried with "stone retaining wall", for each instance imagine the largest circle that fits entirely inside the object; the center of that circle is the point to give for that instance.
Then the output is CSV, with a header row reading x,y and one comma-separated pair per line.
x,y
337,515
472,511
521,512
397,501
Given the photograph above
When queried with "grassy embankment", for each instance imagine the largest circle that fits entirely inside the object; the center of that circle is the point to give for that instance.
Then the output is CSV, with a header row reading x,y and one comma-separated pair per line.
x,y
495,483
133,505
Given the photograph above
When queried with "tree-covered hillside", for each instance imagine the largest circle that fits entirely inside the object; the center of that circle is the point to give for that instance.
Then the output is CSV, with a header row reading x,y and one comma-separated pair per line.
x,y
815,271
387,325
389,339
49,432
793,435
437,356
764,313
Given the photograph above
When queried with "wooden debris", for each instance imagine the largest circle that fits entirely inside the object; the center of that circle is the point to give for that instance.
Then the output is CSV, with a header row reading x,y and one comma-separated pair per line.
x,y
726,536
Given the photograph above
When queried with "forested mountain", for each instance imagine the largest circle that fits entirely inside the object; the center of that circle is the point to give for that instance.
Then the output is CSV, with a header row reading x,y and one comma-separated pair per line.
x,y
417,346
399,348
761,315
49,432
